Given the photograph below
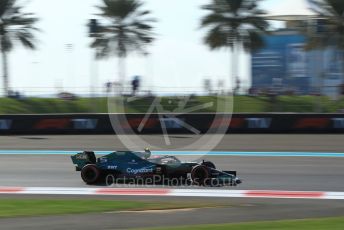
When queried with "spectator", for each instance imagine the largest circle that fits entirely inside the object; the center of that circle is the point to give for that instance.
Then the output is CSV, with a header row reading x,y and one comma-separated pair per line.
x,y
108,87
135,85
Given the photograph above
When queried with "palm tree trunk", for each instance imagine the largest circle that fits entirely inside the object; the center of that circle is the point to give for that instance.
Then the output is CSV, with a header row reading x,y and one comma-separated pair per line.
x,y
237,70
122,73
233,70
5,73
234,66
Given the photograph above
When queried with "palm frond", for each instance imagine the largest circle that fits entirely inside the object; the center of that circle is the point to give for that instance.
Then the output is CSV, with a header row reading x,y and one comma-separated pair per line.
x,y
129,28
253,41
332,33
16,25
233,21
6,43
6,6
119,9
216,38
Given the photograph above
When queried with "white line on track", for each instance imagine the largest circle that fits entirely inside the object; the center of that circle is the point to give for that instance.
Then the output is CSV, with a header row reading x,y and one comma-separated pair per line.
x,y
184,153
173,192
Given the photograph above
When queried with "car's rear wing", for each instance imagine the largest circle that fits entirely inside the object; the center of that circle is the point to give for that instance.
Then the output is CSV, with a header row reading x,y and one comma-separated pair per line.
x,y
82,159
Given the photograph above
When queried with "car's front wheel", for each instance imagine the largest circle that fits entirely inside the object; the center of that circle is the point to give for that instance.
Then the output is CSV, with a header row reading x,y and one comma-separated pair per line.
x,y
200,175
90,174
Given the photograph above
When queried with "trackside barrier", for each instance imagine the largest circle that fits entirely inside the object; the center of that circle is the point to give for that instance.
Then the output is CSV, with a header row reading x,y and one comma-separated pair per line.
x,y
174,123
173,192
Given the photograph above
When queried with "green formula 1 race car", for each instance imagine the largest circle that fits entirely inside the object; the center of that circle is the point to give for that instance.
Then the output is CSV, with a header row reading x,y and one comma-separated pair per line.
x,y
141,166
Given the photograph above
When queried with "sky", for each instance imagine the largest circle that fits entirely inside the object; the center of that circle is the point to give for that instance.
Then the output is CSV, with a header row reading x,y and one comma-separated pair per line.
x,y
178,59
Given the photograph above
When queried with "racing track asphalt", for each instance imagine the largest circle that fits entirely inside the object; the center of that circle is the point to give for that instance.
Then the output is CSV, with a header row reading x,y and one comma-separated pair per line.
x,y
282,173
244,142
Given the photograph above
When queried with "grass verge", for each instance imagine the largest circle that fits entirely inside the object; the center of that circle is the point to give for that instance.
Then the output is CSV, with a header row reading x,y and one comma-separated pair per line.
x,y
36,207
305,224
242,104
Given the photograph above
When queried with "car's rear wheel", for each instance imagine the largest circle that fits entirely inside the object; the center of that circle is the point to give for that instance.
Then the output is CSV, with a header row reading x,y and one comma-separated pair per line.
x,y
90,174
200,175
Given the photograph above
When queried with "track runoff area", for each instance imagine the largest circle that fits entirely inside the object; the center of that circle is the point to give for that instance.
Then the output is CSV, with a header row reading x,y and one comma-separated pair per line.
x,y
183,192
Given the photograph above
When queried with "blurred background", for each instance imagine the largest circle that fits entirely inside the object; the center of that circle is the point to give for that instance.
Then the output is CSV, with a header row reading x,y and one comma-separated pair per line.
x,y
271,56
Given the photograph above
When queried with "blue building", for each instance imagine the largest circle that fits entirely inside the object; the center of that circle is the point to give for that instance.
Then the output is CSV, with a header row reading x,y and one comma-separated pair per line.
x,y
284,63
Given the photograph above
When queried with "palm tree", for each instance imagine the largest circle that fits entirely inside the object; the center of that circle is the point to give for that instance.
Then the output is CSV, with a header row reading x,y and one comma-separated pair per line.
x,y
14,26
232,24
128,29
330,26
329,30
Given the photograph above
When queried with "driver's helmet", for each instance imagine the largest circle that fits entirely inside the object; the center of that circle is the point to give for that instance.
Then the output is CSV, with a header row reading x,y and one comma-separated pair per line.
x,y
148,153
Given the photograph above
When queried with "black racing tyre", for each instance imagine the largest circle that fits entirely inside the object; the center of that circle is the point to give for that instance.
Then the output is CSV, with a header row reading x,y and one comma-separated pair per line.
x,y
90,174
200,175
209,164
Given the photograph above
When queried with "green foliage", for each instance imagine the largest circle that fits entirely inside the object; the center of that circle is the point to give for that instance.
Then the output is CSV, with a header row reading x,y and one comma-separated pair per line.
x,y
128,28
240,104
233,22
16,26
332,33
243,104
